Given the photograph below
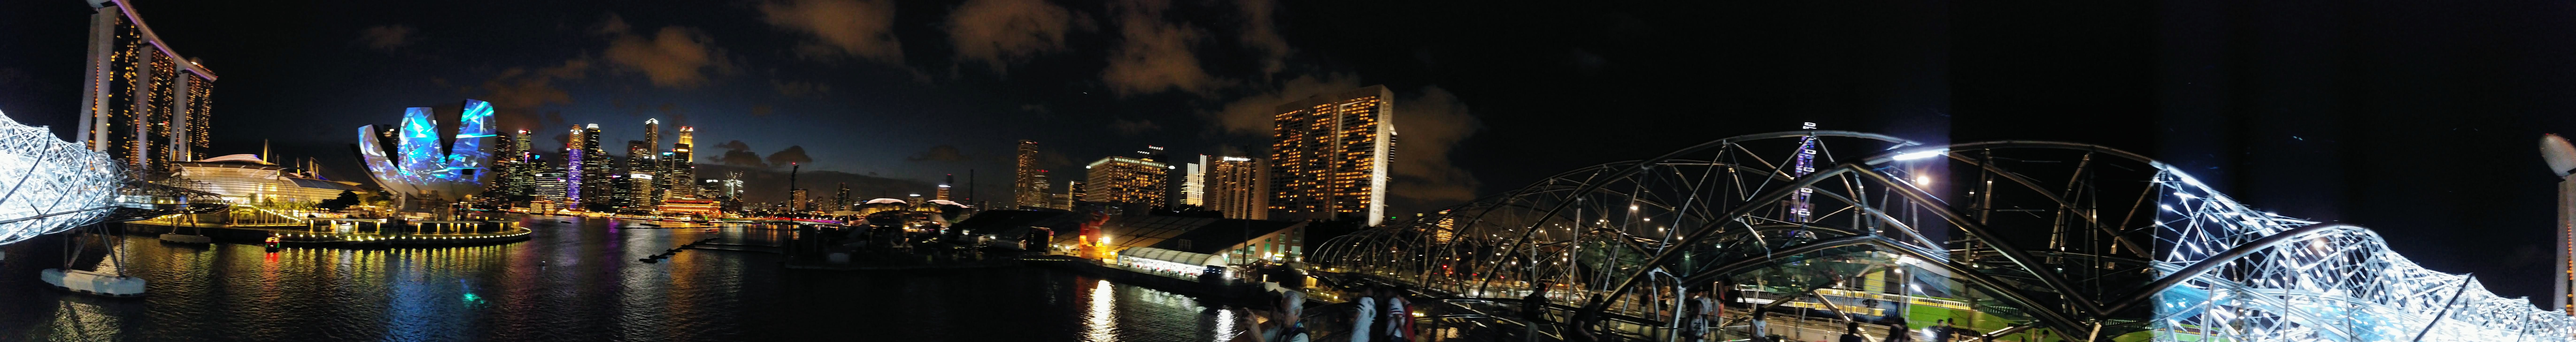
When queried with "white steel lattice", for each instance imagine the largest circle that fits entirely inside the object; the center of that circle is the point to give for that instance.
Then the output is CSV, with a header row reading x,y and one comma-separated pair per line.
x,y
2330,283
49,185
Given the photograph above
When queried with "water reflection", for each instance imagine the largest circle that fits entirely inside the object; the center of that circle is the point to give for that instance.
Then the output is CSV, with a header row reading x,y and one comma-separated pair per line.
x,y
572,282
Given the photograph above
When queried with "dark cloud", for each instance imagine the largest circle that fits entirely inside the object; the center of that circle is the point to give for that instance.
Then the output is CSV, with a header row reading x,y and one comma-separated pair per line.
x,y
999,33
791,155
734,145
1154,55
941,153
1036,108
1261,34
738,154
673,116
741,158
677,57
1251,115
516,92
760,110
855,28
387,37
1133,127
1428,127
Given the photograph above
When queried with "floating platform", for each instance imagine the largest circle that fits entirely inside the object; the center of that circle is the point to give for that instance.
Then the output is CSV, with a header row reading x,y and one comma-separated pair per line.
x,y
93,282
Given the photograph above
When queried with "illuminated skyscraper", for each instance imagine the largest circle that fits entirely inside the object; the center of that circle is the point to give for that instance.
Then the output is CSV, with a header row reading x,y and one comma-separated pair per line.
x,y
1127,180
597,169
639,177
575,162
550,185
1232,185
1329,153
840,198
652,161
943,187
145,105
796,201
1027,189
680,172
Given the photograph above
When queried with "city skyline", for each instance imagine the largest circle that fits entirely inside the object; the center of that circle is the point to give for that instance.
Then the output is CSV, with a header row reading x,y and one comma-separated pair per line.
x,y
2291,110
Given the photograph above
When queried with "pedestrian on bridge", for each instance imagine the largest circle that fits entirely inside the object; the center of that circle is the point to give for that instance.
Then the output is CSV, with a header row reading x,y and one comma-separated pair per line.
x,y
1365,315
1399,319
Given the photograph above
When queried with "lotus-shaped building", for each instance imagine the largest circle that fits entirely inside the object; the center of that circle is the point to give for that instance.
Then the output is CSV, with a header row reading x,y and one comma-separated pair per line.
x,y
416,161
49,185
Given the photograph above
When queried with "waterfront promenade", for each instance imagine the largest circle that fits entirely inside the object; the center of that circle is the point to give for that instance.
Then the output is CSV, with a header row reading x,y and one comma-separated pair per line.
x,y
576,282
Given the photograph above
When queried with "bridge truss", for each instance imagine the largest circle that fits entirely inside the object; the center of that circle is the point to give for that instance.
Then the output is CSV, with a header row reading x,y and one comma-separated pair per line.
x,y
2053,240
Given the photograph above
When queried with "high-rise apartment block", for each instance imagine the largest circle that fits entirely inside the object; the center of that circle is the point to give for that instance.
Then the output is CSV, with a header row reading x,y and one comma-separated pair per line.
x,y
1329,156
1028,186
145,105
1137,181
1231,185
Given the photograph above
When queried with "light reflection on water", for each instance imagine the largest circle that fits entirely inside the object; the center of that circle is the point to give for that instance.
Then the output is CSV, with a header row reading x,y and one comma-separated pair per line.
x,y
573,283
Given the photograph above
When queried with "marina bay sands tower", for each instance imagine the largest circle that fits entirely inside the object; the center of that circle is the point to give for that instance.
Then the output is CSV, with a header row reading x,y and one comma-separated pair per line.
x,y
145,105
2562,160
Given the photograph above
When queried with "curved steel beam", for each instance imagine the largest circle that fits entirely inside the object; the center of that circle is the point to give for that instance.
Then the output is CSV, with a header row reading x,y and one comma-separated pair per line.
x,y
2223,258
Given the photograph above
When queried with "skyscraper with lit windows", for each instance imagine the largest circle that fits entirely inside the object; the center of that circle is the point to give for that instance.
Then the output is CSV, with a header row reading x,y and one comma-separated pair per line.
x,y
596,169
1230,185
576,157
1028,186
1128,180
679,170
1329,155
145,105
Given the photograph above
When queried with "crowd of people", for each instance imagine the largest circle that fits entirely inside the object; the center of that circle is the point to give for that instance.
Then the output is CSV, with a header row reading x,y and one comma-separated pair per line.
x,y
1376,314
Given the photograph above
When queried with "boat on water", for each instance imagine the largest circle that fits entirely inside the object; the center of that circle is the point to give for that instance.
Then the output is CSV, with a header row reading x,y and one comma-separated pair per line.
x,y
715,229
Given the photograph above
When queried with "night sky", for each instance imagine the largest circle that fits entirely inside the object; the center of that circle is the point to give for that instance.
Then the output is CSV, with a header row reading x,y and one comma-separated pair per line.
x,y
2417,120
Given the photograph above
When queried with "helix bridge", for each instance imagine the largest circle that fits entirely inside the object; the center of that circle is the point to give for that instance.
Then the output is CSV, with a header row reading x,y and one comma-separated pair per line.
x,y
48,186
1998,240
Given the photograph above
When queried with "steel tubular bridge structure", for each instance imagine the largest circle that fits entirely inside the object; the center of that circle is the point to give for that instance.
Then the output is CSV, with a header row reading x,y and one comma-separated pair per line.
x,y
2021,240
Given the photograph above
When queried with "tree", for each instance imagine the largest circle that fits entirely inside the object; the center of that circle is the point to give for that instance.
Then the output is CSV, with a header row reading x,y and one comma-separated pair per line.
x,y
346,199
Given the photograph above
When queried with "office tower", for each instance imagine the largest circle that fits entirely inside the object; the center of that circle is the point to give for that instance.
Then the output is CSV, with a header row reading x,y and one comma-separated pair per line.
x,y
841,197
1127,180
733,184
575,162
550,185
524,162
653,162
638,176
943,187
1040,186
796,200
1194,182
1027,189
1073,194
1232,185
597,168
1329,155
145,105
682,172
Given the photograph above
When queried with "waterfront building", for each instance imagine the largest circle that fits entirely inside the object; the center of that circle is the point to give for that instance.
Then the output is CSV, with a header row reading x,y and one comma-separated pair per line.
x,y
1240,241
1046,196
840,198
1230,185
688,206
421,166
246,180
1329,156
146,105
1127,180
1028,185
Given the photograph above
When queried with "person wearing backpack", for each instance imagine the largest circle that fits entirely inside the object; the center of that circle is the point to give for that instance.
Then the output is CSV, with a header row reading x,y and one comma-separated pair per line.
x,y
1399,321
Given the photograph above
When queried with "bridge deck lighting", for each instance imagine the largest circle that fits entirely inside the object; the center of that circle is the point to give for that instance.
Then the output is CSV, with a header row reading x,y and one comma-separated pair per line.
x,y
1920,154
